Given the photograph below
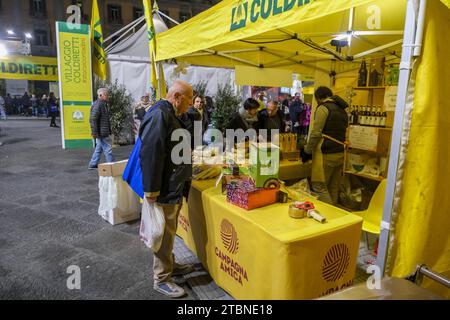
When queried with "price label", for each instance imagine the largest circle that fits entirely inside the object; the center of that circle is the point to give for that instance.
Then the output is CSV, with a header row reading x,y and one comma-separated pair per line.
x,y
364,138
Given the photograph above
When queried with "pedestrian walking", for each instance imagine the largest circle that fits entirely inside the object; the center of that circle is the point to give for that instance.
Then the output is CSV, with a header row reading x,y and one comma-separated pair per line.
x,y
53,106
34,105
101,129
2,109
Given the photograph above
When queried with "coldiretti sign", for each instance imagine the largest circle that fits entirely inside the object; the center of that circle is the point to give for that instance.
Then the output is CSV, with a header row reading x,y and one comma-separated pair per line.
x,y
74,57
29,68
250,11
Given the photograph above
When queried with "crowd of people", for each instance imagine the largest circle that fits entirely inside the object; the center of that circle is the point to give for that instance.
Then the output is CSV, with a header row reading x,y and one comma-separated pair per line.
x,y
288,115
29,105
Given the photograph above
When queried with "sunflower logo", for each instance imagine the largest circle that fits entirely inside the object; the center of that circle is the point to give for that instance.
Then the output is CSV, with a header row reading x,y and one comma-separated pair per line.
x,y
229,236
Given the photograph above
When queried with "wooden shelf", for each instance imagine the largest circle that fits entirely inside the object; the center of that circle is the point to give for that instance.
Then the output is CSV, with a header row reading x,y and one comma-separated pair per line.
x,y
365,176
378,153
380,128
369,88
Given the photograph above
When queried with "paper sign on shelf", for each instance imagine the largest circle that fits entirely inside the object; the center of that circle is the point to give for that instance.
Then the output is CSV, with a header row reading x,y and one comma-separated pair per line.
x,y
390,98
364,138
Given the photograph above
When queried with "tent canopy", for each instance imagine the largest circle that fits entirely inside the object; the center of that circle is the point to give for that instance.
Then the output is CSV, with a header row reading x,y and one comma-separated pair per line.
x,y
289,34
129,62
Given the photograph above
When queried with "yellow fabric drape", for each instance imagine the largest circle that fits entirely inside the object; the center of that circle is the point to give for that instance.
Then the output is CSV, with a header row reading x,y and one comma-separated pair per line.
x,y
157,76
98,56
422,229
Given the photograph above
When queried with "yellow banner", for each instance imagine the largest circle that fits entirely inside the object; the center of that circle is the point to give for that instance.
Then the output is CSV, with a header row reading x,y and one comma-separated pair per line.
x,y
151,39
28,68
76,122
98,56
74,54
157,76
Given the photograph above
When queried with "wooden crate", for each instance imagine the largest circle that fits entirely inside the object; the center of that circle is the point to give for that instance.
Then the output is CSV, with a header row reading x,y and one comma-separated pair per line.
x,y
291,156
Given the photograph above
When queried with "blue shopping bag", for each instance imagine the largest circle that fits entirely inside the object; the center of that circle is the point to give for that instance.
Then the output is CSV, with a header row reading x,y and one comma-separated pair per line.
x,y
132,173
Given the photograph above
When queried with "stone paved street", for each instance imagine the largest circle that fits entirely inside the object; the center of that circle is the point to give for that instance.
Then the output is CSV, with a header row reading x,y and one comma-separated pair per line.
x,y
49,221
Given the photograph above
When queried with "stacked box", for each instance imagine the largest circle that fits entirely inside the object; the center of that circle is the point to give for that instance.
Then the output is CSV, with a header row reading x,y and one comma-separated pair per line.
x,y
264,163
244,194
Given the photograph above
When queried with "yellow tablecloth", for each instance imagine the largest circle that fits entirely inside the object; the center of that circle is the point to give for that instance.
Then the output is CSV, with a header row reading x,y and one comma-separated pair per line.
x,y
265,254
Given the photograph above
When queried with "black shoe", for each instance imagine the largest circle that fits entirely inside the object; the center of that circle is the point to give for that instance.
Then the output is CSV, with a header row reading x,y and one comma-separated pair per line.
x,y
92,167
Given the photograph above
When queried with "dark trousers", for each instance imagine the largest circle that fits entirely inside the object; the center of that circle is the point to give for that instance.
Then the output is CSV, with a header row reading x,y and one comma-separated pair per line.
x,y
53,119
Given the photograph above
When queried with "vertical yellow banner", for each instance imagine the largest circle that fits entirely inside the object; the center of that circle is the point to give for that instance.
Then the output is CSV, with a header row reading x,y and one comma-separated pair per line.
x,y
75,75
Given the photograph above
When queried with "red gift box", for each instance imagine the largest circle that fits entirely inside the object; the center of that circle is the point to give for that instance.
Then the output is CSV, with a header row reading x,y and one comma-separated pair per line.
x,y
244,194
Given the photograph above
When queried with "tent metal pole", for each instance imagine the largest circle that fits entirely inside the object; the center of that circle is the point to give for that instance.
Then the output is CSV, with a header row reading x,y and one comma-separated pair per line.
x,y
237,59
274,62
314,55
198,54
381,48
111,46
231,57
420,28
379,33
128,26
374,45
241,50
405,71
167,17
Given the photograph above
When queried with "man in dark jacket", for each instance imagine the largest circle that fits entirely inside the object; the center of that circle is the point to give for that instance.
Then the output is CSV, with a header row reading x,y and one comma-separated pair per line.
x,y
295,109
272,120
330,119
101,129
163,178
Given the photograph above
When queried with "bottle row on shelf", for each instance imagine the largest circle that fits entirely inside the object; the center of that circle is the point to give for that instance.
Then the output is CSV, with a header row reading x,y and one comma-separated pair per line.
x,y
367,116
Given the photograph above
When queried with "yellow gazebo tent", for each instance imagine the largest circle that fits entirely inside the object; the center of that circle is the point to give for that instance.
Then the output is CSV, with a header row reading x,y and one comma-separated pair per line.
x,y
254,35
291,34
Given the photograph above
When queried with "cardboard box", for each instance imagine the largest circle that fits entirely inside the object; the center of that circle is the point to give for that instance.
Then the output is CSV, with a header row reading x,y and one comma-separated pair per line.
x,y
264,163
116,216
117,202
243,193
291,156
112,169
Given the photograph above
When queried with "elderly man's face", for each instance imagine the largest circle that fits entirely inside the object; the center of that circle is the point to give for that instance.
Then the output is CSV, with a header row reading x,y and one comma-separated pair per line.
x,y
104,96
272,109
185,100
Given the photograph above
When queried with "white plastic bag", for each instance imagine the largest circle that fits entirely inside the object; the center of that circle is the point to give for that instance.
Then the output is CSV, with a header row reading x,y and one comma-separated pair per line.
x,y
118,203
152,225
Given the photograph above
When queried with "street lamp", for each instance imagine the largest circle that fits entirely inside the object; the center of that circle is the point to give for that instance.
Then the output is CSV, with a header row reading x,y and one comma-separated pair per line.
x,y
28,35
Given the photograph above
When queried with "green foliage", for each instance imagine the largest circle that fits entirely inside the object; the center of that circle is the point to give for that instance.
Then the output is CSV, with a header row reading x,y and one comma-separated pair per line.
x,y
120,107
200,88
226,103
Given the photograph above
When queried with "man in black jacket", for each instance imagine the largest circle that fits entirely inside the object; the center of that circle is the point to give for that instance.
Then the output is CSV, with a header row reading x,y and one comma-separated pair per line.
x,y
272,120
163,178
295,109
101,129
330,119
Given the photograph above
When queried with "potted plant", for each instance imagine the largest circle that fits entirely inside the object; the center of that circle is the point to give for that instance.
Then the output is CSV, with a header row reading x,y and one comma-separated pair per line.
x,y
121,111
226,103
